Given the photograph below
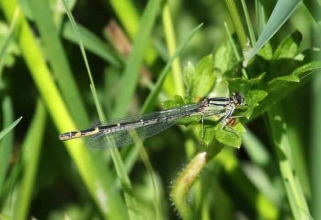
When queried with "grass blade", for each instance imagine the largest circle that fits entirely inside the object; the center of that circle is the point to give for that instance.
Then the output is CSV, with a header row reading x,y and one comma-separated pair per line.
x,y
129,17
282,11
7,141
92,43
152,97
177,76
9,128
131,74
30,159
283,151
58,60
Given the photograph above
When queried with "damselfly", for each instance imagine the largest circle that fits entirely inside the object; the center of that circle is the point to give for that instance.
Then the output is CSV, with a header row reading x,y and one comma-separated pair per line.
x,y
128,130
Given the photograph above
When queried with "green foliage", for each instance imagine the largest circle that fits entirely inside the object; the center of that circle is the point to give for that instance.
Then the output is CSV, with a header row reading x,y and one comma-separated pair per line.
x,y
199,80
43,78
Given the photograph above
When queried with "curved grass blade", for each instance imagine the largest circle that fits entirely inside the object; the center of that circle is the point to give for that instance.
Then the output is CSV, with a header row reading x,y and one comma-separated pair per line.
x,y
282,11
9,128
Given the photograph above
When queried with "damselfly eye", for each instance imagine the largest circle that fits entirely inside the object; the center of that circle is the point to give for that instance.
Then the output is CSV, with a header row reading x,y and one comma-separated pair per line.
x,y
238,98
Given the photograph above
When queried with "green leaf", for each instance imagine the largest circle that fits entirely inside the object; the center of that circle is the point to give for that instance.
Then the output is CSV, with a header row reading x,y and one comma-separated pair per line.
x,y
223,57
252,99
266,52
178,101
199,80
244,85
204,79
230,136
288,78
189,72
280,87
288,48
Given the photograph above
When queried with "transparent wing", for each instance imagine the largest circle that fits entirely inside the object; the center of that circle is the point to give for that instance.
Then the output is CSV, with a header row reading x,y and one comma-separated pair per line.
x,y
127,137
180,111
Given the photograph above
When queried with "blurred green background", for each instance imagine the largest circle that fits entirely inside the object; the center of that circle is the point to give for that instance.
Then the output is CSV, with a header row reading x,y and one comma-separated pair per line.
x,y
140,55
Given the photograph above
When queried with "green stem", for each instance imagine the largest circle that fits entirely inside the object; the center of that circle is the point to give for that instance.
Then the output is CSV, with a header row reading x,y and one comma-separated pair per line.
x,y
187,178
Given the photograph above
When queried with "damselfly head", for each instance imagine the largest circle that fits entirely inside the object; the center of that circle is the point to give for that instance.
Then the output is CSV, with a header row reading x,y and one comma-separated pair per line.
x,y
238,99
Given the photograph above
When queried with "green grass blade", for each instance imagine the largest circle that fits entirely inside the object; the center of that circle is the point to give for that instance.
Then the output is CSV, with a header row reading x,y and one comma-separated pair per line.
x,y
282,11
260,14
82,49
248,23
153,178
152,97
92,43
237,21
129,17
9,128
98,182
315,151
131,74
236,53
7,141
283,151
298,134
30,159
58,60
177,75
